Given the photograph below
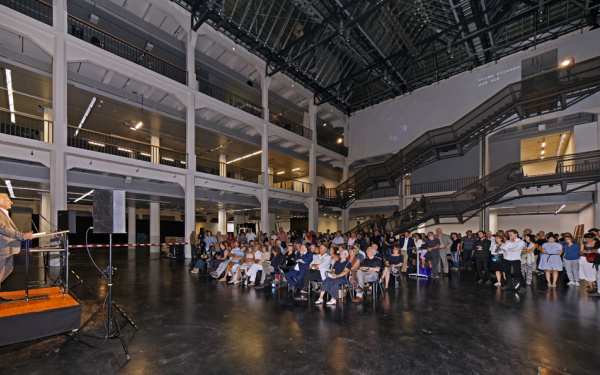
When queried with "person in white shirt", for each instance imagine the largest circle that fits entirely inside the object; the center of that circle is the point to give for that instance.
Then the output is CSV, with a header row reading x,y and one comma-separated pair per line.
x,y
512,260
317,269
252,257
265,255
338,240
250,236
351,239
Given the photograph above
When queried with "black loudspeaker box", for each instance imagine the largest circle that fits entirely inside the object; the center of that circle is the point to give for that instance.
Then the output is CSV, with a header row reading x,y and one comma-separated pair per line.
x,y
67,221
109,211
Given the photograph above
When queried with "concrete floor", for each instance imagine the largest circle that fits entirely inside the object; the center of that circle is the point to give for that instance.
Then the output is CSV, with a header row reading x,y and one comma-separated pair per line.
x,y
189,324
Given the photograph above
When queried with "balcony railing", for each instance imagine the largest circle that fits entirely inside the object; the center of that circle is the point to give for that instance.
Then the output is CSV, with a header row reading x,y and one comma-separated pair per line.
x,y
114,145
389,192
290,125
295,185
37,9
25,126
439,186
329,138
101,39
230,171
227,97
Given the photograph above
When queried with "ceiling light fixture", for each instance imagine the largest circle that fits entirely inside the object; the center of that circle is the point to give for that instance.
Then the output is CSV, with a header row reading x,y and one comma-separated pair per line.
x,y
10,188
85,115
295,169
11,100
544,144
124,149
560,209
244,157
83,196
137,126
340,140
282,172
562,140
96,144
567,62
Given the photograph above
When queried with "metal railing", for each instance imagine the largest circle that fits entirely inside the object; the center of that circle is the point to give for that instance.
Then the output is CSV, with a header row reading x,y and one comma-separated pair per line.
x,y
36,9
387,192
119,146
101,39
438,186
290,125
328,138
579,167
513,103
294,185
25,126
208,166
227,97
217,168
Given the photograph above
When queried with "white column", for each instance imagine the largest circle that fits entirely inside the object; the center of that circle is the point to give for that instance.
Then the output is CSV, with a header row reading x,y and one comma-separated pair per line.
x,y
313,214
131,226
264,209
223,167
59,15
190,58
312,157
265,82
222,221
154,226
155,142
345,220
58,173
484,216
190,211
264,156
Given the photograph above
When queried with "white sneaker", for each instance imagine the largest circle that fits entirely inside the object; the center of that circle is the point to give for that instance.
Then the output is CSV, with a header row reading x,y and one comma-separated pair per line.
x,y
570,283
319,301
497,284
331,302
576,283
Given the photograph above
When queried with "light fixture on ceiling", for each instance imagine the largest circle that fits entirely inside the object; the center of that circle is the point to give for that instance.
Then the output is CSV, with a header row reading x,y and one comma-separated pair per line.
x,y
543,152
149,46
93,18
562,141
11,100
282,172
11,193
295,169
340,140
544,143
137,126
244,157
85,115
567,62
559,209
124,149
83,196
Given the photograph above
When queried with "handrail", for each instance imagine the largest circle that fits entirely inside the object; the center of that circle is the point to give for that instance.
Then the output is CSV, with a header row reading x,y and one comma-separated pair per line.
x,y
492,187
514,102
224,89
25,126
21,7
24,114
290,184
446,185
124,41
230,98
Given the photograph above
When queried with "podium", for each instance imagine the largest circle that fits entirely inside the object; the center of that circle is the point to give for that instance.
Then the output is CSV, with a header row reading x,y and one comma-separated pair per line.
x,y
64,287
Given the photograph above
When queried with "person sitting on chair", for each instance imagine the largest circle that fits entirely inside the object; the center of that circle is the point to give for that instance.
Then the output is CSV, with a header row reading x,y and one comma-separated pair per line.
x,y
295,276
368,271
393,266
318,267
339,275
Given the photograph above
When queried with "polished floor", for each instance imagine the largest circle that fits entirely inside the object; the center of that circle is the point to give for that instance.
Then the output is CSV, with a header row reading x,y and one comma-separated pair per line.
x,y
188,324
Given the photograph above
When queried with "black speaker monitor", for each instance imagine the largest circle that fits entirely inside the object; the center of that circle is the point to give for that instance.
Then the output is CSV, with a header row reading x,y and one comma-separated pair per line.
x,y
67,221
109,211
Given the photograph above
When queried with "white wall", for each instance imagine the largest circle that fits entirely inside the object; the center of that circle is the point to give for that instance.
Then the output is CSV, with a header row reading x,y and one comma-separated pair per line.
x,y
587,217
328,222
392,125
586,137
548,223
430,226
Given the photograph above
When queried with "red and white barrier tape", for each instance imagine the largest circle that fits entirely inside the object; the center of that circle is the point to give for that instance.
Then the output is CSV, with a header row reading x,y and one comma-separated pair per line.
x,y
127,245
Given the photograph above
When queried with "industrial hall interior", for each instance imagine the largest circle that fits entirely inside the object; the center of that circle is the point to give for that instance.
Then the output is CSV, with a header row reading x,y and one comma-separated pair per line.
x,y
299,186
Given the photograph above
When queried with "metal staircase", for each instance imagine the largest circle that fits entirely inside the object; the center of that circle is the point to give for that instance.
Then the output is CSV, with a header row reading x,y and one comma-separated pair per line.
x,y
551,91
581,169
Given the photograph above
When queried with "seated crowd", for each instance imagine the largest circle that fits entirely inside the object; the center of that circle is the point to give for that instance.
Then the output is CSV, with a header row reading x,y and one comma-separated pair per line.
x,y
337,263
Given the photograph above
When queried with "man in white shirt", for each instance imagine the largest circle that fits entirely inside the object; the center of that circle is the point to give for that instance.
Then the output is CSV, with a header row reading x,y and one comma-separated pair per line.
x,y
250,236
338,240
512,261
317,268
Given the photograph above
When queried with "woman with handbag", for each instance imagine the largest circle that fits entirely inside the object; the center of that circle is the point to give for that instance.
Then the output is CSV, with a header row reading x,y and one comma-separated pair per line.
x,y
588,252
527,259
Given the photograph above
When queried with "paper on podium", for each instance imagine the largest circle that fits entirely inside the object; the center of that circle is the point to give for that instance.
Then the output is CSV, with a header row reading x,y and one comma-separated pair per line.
x,y
44,234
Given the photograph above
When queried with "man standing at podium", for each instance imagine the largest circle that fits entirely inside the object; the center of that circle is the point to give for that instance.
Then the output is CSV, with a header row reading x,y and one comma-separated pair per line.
x,y
10,239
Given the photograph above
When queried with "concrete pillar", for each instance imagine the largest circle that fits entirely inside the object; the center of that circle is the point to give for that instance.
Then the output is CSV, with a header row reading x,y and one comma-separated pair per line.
x,y
265,82
58,173
155,142
190,211
223,166
264,209
47,136
345,220
131,226
264,157
222,221
45,211
484,216
155,226
190,58
312,156
270,173
313,214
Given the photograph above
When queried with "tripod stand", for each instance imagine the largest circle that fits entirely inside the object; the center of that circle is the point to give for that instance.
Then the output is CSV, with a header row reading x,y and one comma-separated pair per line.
x,y
113,328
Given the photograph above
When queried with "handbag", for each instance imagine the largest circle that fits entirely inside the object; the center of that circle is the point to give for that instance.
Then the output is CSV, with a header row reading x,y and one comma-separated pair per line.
x,y
590,257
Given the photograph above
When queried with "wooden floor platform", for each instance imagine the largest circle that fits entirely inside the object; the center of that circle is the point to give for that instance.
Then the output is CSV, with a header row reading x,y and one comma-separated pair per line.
x,y
36,318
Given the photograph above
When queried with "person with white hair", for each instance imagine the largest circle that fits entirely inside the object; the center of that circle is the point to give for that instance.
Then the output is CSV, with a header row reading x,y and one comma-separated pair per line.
x,y
339,275
368,271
